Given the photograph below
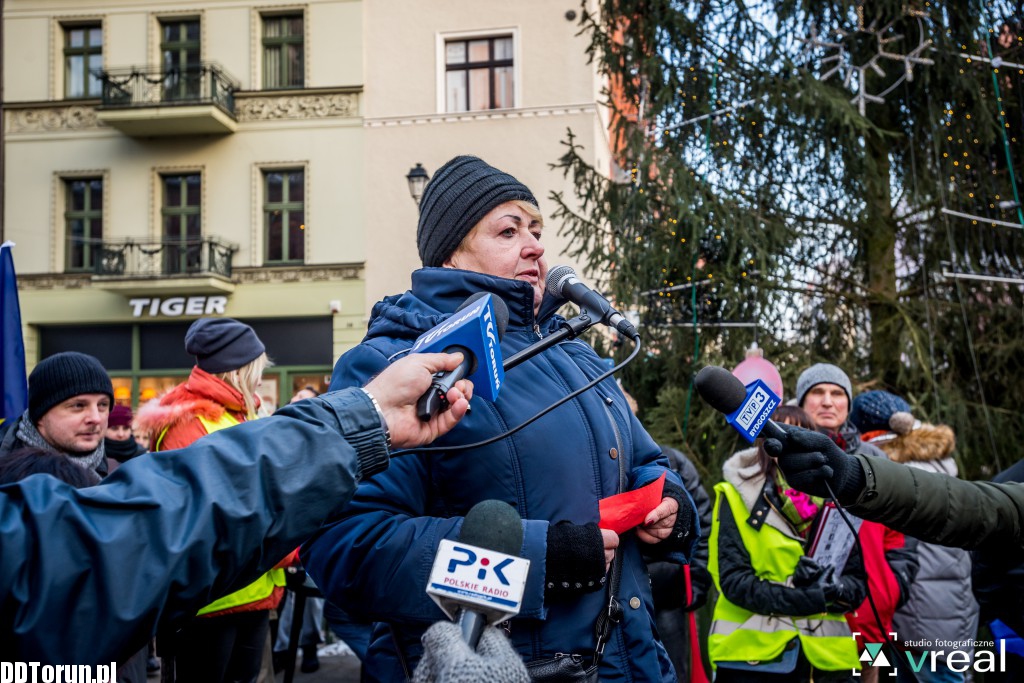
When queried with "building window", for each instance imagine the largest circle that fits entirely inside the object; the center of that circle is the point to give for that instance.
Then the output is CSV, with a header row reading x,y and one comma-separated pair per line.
x,y
180,59
478,74
284,214
83,57
83,222
182,226
283,62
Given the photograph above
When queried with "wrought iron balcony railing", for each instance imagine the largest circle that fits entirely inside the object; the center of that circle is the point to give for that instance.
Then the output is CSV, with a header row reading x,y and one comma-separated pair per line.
x,y
137,86
153,259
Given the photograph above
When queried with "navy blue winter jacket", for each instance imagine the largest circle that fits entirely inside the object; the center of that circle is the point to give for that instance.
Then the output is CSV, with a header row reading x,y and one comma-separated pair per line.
x,y
374,561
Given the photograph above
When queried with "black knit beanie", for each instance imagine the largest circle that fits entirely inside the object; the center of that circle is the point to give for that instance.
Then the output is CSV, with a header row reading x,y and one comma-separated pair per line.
x,y
222,344
456,198
61,376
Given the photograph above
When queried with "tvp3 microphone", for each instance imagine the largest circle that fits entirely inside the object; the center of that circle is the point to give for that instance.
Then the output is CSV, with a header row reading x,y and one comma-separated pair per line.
x,y
748,409
475,331
562,282
479,579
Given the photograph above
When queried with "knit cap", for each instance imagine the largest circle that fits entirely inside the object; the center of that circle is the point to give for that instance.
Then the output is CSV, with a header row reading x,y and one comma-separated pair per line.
x,y
61,376
222,344
120,416
462,192
880,411
822,373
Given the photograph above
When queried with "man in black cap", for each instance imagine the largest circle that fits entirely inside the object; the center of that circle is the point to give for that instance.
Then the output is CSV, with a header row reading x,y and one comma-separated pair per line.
x,y
69,400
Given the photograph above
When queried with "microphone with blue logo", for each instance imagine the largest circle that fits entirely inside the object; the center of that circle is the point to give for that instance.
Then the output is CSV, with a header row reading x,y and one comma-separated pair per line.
x,y
475,331
747,408
480,579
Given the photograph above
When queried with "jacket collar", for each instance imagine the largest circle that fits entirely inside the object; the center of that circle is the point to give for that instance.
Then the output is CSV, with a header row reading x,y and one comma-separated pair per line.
x,y
743,471
438,292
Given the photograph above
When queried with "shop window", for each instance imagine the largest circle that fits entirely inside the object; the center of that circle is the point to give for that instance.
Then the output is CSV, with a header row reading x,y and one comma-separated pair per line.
x,y
182,226
83,223
83,59
284,216
479,74
283,46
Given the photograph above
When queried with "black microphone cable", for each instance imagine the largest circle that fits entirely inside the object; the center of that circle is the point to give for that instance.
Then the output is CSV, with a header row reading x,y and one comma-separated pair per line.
x,y
486,442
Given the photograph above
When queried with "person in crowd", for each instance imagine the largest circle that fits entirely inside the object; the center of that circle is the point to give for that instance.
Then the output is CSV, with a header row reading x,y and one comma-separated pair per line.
x,y
998,584
226,640
939,604
825,392
164,535
69,399
119,444
480,231
779,616
313,613
681,589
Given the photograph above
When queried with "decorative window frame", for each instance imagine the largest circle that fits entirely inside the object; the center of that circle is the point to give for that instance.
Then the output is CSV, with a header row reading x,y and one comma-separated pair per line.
x,y
58,203
257,249
440,69
256,43
57,26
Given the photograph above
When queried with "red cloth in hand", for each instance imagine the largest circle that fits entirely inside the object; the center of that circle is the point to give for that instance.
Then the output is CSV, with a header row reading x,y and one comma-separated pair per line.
x,y
622,512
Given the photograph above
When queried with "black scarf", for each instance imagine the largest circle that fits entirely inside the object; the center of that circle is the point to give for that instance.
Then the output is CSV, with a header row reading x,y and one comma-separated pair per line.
x,y
123,451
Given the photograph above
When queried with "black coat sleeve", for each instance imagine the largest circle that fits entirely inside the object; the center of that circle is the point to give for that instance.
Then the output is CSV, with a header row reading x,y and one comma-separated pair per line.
x,y
744,588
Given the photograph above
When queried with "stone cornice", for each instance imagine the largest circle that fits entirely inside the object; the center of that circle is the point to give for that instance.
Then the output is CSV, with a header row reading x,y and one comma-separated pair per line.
x,y
44,118
310,273
272,107
483,115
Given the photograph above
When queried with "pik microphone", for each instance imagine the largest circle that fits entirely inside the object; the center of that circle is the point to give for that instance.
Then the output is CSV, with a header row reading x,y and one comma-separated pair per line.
x,y
480,578
562,282
748,409
475,331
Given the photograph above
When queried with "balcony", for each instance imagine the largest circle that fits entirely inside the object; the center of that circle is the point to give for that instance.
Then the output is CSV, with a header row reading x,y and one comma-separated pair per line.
x,y
193,266
148,102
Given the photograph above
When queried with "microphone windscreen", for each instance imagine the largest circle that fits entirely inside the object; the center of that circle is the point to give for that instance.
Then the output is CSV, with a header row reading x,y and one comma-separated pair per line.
x,y
720,389
494,525
555,277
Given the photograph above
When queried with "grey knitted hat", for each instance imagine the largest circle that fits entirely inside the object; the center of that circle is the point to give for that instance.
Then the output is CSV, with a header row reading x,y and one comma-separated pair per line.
x,y
62,376
456,198
822,373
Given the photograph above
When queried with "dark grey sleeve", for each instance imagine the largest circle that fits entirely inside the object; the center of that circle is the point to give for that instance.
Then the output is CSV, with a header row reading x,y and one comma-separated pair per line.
x,y
86,574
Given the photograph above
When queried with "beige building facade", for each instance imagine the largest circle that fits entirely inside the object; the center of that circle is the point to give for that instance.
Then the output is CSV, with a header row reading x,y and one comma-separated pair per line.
x,y
169,160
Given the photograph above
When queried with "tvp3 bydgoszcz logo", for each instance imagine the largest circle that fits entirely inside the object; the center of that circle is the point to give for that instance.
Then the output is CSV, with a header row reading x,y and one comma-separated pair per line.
x,y
751,417
486,580
935,655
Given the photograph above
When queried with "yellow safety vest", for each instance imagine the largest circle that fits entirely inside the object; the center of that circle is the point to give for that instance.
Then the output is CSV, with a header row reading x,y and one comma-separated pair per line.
x,y
737,634
262,587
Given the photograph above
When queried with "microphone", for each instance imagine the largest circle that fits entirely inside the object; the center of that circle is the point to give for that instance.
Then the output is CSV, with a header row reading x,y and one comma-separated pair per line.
x,y
562,282
480,579
748,409
475,331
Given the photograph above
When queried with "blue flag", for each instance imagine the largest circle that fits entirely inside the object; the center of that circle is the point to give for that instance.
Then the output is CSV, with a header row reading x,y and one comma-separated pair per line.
x,y
12,345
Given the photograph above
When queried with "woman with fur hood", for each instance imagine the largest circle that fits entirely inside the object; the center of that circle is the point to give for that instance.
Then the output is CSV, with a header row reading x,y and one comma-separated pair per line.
x,y
225,641
940,605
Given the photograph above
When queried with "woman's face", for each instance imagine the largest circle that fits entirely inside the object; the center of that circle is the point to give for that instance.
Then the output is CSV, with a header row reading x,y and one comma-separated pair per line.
x,y
505,243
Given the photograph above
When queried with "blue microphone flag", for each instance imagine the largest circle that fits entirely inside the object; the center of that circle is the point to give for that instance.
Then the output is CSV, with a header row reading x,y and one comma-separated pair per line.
x,y
476,329
755,411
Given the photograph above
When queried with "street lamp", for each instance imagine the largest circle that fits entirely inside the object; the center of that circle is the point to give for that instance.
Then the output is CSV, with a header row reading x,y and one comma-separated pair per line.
x,y
417,178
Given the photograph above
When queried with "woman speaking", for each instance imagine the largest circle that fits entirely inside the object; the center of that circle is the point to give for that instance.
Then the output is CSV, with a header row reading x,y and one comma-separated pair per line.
x,y
480,231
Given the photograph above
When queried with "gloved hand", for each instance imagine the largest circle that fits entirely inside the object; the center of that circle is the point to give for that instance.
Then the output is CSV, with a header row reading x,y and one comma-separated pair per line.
x,y
575,560
810,459
807,572
447,658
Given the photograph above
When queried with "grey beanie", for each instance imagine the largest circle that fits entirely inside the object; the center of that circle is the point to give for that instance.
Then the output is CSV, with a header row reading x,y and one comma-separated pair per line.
x,y
462,192
62,376
822,373
222,344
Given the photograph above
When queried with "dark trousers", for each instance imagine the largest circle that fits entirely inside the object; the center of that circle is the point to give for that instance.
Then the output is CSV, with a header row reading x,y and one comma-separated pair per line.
x,y
223,649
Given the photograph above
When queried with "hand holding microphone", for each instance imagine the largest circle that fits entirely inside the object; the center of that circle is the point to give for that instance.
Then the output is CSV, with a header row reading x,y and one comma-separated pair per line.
x,y
447,658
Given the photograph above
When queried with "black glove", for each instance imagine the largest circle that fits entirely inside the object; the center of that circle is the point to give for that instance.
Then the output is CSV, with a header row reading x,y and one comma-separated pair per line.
x,y
810,459
575,560
807,572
